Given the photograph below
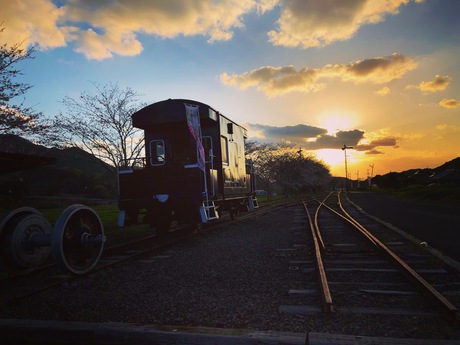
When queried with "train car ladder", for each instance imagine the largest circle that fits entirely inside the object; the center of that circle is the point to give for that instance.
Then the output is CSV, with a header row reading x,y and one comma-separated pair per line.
x,y
208,210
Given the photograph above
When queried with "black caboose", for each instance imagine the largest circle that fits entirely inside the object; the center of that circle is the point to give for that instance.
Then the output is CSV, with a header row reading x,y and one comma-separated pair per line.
x,y
194,166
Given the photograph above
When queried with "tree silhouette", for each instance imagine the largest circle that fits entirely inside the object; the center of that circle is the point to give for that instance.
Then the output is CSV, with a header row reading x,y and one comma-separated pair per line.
x,y
284,167
15,117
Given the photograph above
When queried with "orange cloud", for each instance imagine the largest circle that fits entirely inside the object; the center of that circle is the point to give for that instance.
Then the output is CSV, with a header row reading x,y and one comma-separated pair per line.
x,y
275,81
100,29
439,83
114,25
449,103
383,91
316,23
32,21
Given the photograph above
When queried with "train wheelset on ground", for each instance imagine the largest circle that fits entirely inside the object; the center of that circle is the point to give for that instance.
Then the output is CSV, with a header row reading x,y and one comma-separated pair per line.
x,y
26,238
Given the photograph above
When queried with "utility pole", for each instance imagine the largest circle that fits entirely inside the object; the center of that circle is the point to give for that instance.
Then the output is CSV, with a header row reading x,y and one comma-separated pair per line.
x,y
372,174
344,148
357,179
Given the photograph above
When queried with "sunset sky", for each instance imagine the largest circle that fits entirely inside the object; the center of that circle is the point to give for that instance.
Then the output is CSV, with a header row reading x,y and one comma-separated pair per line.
x,y
382,76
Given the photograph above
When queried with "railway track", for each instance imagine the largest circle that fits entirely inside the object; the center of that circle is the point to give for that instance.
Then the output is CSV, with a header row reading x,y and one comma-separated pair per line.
x,y
365,268
258,273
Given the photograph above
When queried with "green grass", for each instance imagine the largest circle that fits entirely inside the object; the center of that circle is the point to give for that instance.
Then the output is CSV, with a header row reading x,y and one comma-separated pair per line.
x,y
445,195
109,216
107,213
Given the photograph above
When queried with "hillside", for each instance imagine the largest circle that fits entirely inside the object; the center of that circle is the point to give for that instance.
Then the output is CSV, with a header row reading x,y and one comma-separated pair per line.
x,y
69,171
68,158
453,164
446,174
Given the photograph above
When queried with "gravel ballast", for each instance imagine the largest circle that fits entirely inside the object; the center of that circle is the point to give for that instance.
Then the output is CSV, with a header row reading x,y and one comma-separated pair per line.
x,y
233,277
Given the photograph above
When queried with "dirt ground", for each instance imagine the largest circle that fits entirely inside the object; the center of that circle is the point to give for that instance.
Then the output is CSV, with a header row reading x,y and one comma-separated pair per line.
x,y
438,225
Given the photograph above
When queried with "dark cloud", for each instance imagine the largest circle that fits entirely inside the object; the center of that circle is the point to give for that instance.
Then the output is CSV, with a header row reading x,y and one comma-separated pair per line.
x,y
374,152
381,69
349,138
387,141
315,138
303,134
288,132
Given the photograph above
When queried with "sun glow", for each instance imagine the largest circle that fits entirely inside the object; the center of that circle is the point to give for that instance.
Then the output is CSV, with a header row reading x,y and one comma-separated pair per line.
x,y
335,159
337,121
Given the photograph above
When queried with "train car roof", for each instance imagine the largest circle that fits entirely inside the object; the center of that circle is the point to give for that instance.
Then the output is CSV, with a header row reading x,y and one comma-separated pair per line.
x,y
154,114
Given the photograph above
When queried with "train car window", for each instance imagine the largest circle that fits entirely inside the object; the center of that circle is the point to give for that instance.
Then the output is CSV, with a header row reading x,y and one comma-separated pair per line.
x,y
237,154
157,152
208,149
224,146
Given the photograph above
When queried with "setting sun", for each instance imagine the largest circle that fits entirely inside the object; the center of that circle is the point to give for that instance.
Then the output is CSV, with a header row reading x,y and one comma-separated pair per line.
x,y
337,121
335,159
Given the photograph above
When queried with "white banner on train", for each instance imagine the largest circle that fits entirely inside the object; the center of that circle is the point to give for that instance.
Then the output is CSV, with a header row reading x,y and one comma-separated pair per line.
x,y
192,113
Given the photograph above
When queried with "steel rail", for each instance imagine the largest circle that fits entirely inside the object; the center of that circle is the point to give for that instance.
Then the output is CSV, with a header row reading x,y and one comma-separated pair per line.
x,y
446,305
351,221
318,233
328,305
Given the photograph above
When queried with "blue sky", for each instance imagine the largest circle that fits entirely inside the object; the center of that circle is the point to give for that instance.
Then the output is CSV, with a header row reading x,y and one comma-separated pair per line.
x,y
382,75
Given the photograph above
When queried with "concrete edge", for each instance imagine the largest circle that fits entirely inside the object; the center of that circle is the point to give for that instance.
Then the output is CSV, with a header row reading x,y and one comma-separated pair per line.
x,y
28,332
20,331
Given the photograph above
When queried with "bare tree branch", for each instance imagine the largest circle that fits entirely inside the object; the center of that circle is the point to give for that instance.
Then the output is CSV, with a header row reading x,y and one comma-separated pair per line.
x,y
100,123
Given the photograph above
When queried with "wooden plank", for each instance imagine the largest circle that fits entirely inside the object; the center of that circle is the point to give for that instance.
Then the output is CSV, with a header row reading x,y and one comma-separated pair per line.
x,y
299,309
385,311
303,292
301,262
355,262
311,310
360,269
389,292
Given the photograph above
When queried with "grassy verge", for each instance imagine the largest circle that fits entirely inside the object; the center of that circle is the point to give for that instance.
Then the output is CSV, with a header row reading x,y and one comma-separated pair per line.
x,y
445,195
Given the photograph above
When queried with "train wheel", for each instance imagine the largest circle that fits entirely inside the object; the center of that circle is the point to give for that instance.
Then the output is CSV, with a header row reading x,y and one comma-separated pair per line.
x,y
132,215
234,213
163,223
78,239
20,255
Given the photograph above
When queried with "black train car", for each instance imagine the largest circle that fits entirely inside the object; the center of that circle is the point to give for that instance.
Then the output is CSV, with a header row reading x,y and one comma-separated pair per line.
x,y
194,167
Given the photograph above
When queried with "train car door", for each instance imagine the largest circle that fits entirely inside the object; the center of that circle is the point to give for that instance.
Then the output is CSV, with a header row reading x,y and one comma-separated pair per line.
x,y
210,171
